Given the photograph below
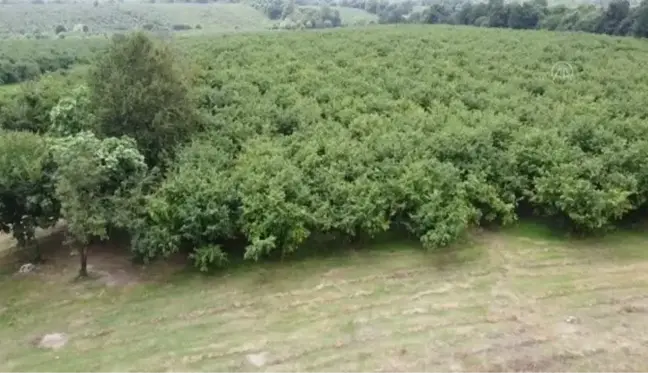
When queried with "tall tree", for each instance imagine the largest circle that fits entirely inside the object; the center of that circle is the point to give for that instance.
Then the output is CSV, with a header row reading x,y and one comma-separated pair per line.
x,y
137,89
497,13
525,16
613,16
640,24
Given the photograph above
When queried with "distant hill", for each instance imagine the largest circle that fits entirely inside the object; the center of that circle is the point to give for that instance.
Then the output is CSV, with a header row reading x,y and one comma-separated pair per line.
x,y
34,20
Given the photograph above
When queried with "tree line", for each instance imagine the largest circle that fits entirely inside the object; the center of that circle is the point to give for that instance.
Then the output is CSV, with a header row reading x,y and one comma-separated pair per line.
x,y
23,60
292,16
617,18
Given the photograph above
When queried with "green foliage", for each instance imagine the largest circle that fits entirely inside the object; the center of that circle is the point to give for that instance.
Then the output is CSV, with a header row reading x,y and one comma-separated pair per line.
x,y
206,256
98,183
309,17
72,115
640,20
348,134
22,59
352,134
138,90
193,208
617,18
524,16
95,182
613,17
29,108
274,200
27,199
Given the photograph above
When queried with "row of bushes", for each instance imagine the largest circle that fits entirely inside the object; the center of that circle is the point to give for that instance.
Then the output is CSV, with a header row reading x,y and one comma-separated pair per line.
x,y
430,131
299,136
22,60
295,17
15,71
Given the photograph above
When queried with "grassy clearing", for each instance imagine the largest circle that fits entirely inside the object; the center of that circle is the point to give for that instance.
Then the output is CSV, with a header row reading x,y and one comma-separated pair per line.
x,y
513,300
352,16
211,17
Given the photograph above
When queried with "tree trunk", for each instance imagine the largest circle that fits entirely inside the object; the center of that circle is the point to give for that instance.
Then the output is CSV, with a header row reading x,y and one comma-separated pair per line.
x,y
38,257
83,256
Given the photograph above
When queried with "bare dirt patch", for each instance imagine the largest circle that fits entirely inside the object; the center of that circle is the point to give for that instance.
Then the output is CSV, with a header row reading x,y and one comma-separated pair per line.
x,y
110,263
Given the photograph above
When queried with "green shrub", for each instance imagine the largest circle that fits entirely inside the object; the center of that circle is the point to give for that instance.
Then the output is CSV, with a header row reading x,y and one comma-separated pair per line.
x,y
310,137
27,198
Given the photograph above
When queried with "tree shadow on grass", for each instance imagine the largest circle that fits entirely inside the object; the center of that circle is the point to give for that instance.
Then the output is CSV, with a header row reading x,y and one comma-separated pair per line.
x,y
50,245
322,252
625,241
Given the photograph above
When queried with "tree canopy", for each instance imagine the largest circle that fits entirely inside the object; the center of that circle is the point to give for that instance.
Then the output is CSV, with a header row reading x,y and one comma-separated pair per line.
x,y
97,182
137,89
27,198
344,134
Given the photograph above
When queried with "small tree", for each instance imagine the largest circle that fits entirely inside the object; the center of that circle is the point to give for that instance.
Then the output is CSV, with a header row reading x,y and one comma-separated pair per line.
x,y
26,187
137,90
97,182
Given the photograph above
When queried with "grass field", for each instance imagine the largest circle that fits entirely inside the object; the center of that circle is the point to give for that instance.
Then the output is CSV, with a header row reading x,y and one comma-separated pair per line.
x,y
514,300
211,17
27,18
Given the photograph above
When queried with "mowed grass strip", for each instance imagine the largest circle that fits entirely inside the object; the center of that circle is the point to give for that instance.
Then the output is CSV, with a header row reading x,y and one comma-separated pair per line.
x,y
384,309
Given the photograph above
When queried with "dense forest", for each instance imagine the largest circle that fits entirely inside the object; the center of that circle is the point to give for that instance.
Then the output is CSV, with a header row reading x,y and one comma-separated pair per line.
x,y
272,142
